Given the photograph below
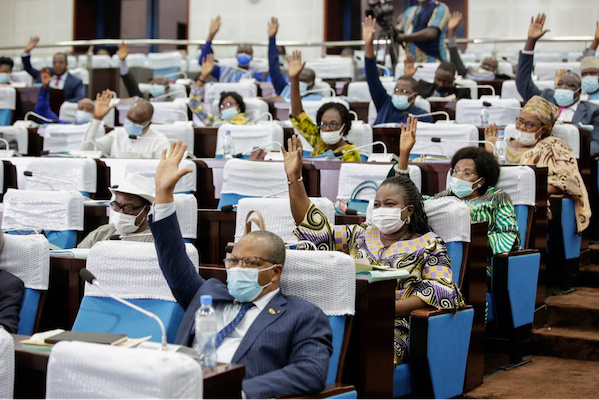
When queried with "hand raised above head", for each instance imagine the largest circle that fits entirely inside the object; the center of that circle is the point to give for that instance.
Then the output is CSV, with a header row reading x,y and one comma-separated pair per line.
x,y
32,43
123,51
491,133
368,29
535,30
293,158
295,65
214,27
168,172
273,27
454,21
102,106
45,77
407,139
409,67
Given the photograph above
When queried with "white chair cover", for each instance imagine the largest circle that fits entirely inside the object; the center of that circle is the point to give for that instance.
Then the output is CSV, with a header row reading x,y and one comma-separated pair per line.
x,y
419,102
7,364
78,370
34,209
147,168
352,174
81,73
258,64
547,70
277,215
449,217
519,182
311,106
360,134
130,270
548,57
426,72
163,60
133,60
332,67
178,131
459,135
81,172
256,109
569,134
245,88
246,137
22,77
64,137
67,113
509,90
169,112
187,214
502,111
178,91
254,178
40,62
18,133
28,258
574,56
8,98
470,84
324,278
98,61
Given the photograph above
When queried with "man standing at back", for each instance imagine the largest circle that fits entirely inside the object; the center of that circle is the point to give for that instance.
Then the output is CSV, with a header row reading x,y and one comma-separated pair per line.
x,y
283,342
61,79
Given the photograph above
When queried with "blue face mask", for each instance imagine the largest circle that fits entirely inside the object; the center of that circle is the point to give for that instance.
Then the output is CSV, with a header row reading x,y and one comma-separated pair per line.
x,y
157,90
461,188
400,101
564,97
286,93
4,78
242,283
229,113
133,129
590,84
243,59
82,117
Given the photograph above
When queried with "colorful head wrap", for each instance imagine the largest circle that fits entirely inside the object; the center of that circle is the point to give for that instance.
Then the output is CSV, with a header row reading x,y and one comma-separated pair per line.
x,y
543,110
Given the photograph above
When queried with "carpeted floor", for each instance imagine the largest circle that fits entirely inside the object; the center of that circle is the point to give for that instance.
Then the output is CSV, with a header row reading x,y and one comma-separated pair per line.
x,y
543,378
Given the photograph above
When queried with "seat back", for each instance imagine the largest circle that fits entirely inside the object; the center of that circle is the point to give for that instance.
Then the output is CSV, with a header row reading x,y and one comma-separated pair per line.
x,y
245,88
244,178
77,173
169,112
458,136
501,112
255,109
419,102
16,134
277,215
78,370
469,84
28,258
328,280
179,131
67,113
311,106
98,61
258,64
164,63
177,91
509,90
65,137
147,168
360,134
8,103
546,70
187,214
22,77
332,67
569,134
133,60
50,211
426,72
7,365
353,174
246,137
129,270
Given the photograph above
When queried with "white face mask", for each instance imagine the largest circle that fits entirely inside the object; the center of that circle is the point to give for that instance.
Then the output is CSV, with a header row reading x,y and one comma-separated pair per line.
x,y
525,138
125,223
332,137
388,219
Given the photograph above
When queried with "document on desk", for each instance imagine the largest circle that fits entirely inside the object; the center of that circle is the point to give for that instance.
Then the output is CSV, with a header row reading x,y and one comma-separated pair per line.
x,y
70,253
378,275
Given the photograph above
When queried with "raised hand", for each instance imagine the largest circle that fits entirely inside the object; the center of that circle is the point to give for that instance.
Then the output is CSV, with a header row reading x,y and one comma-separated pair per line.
x,y
123,51
45,77
558,75
491,133
168,172
32,43
207,66
535,30
454,22
293,158
368,29
214,27
273,27
596,32
102,106
409,67
407,139
295,65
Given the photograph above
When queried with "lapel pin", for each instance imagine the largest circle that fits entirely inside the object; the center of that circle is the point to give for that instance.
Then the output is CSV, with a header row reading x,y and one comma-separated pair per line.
x,y
271,311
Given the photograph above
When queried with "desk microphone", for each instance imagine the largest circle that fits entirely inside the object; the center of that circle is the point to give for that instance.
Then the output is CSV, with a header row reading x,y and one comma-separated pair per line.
x,y
231,207
445,113
341,153
30,174
479,86
31,113
588,128
263,147
439,140
91,279
169,94
487,104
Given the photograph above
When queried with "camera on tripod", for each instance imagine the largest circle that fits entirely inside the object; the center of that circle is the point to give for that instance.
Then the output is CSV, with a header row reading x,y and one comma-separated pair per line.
x,y
383,11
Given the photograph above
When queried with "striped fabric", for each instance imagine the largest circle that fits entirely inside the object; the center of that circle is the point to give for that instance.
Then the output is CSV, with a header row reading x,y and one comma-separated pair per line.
x,y
439,19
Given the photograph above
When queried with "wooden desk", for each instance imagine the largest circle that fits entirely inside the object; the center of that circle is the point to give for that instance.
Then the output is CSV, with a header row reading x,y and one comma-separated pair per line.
x,y
224,382
35,143
205,140
496,83
360,108
10,177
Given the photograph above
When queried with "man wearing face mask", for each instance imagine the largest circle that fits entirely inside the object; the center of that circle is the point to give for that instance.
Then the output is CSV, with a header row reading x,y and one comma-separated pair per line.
x,y
590,77
158,85
566,94
129,208
244,57
394,108
283,342
6,65
136,139
444,85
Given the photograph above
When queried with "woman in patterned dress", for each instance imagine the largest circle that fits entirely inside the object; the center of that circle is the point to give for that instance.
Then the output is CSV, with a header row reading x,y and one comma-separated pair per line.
x,y
399,237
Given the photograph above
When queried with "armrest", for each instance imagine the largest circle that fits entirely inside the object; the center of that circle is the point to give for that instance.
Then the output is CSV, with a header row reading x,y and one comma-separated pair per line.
x,y
433,312
516,253
332,389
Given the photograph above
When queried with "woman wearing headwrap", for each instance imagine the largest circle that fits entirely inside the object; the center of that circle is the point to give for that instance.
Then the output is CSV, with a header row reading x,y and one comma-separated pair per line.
x,y
534,144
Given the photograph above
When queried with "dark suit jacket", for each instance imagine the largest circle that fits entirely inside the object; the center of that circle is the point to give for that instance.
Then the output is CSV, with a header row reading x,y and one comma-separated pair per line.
x,y
132,87
285,354
11,298
587,113
73,86
426,90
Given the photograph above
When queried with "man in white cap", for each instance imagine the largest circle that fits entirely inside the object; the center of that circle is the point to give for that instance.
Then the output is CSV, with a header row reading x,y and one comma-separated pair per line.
x,y
130,204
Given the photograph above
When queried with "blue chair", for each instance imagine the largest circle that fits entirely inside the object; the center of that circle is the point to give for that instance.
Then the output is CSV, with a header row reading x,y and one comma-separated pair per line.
x,y
131,271
28,258
326,279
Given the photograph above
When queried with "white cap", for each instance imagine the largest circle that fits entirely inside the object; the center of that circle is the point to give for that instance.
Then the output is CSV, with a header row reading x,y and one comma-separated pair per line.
x,y
136,184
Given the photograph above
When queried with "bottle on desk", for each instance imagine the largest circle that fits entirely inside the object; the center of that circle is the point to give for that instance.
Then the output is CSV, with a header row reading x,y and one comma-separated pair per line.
x,y
205,327
484,117
501,147
228,146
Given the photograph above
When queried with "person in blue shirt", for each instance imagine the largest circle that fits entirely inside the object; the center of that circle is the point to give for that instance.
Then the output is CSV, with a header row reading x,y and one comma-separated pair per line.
x,y
399,106
244,57
281,85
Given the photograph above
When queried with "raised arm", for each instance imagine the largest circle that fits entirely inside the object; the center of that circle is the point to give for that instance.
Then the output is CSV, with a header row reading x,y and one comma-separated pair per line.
x,y
26,57
454,54
407,139
298,198
524,83
101,108
295,68
535,31
274,69
207,49
128,78
42,107
377,90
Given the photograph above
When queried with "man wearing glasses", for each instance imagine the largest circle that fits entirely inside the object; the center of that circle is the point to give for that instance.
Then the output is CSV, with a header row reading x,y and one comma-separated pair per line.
x,y
129,208
283,342
136,139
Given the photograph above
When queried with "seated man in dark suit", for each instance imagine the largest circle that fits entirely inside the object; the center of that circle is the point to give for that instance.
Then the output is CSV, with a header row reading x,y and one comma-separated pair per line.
x,y
11,297
400,105
283,341
444,86
566,94
61,79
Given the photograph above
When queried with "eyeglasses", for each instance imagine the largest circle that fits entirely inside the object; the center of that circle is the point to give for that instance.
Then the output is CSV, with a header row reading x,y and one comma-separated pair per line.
x,y
246,262
528,124
462,174
227,105
333,126
127,209
402,91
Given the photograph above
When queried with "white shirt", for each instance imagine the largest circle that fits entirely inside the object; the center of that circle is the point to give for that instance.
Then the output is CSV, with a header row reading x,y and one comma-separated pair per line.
x,y
117,143
58,82
225,313
567,114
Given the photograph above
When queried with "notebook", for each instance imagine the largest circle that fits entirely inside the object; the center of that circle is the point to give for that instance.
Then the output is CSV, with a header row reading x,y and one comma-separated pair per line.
x,y
90,337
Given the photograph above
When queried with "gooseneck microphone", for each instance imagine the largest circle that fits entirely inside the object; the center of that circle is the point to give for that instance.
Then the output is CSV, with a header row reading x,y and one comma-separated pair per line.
x,y
231,207
30,174
430,114
439,140
91,279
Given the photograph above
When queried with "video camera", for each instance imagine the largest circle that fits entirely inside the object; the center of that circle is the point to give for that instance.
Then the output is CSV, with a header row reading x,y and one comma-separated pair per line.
x,y
383,11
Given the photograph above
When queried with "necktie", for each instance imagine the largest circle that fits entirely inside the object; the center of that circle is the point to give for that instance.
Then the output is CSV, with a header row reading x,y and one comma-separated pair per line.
x,y
56,80
223,333
560,111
